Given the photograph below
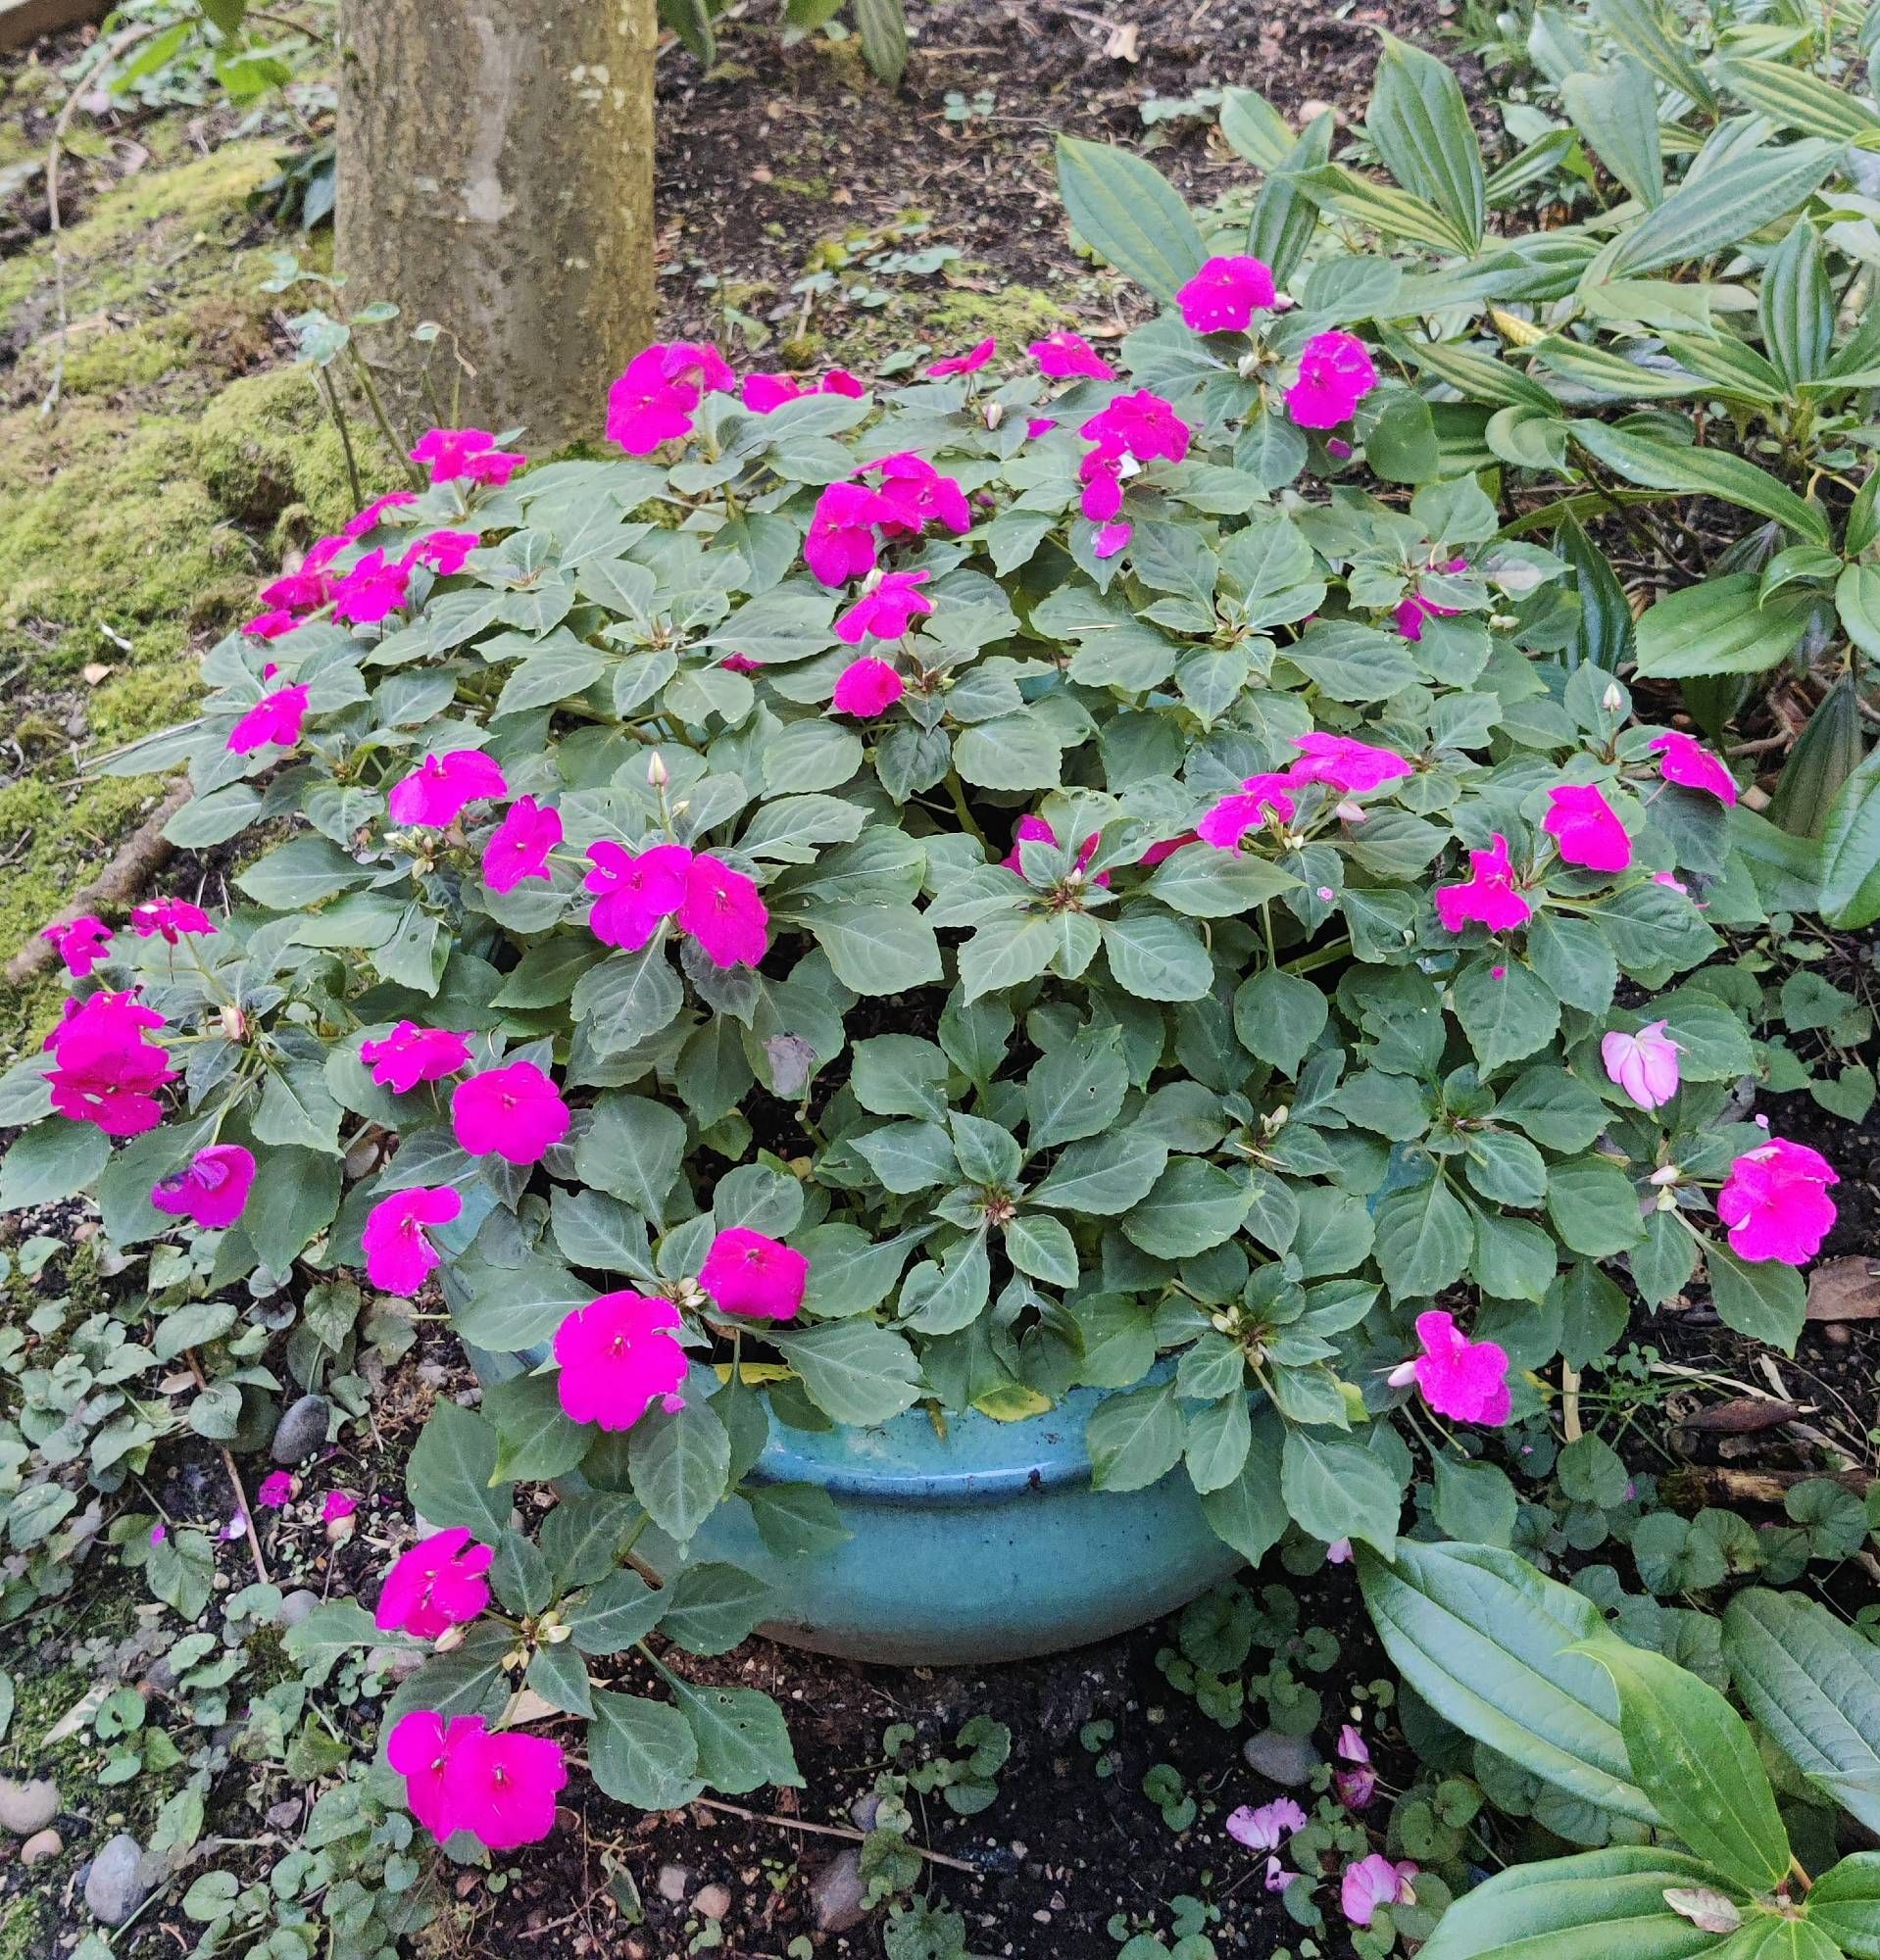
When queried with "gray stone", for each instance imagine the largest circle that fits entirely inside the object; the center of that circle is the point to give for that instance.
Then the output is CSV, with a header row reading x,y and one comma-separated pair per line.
x,y
295,1608
26,1807
713,1902
40,1847
396,1663
302,1430
839,1894
1287,1760
671,1882
115,1884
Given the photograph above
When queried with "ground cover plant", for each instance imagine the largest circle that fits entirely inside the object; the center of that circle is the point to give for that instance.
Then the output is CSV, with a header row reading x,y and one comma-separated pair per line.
x,y
1138,874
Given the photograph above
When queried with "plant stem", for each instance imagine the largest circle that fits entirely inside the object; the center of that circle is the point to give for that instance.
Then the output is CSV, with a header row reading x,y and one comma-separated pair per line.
x,y
345,438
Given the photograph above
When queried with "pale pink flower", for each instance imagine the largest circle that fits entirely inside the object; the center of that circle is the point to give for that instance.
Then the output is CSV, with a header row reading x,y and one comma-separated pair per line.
x,y
1357,1785
745,1272
1489,897
724,912
272,722
520,845
1267,1827
80,943
1682,759
437,1585
211,1190
1065,356
436,793
1247,808
887,610
1776,1203
638,890
1373,1881
514,1112
1586,828
618,1356
1339,1552
969,362
172,921
399,1255
1335,374
1344,763
1459,1378
1645,1064
868,687
410,1055
1221,298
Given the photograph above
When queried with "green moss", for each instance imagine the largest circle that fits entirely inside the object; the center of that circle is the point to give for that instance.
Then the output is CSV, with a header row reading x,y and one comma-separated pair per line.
x,y
949,319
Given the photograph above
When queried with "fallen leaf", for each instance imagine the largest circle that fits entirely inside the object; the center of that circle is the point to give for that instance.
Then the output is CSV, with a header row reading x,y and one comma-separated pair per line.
x,y
1744,1415
525,1706
94,671
1709,1911
1844,1290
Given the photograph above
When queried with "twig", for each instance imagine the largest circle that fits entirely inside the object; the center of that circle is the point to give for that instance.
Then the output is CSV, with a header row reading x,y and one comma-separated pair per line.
x,y
1571,1402
830,1831
234,1479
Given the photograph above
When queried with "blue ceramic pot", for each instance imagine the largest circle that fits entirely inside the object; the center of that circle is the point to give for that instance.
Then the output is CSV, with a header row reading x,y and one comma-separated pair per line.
x,y
985,1545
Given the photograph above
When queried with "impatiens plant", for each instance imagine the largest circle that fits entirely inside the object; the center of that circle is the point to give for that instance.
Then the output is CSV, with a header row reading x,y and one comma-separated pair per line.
x,y
941,896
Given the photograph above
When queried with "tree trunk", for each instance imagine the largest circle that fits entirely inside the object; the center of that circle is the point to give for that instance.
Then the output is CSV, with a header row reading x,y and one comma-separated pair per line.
x,y
496,177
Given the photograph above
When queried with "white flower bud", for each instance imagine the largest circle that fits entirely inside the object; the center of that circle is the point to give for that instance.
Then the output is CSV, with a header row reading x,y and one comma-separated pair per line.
x,y
656,773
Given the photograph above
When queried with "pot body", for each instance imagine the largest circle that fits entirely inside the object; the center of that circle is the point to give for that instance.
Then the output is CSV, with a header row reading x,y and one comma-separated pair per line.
x,y
985,1544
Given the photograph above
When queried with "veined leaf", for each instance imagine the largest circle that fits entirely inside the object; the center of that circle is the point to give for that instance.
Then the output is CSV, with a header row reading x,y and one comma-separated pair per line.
x,y
1702,472
1127,212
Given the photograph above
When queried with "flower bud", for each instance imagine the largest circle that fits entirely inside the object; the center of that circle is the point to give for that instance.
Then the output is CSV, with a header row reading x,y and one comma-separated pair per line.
x,y
234,1024
995,414
1614,699
449,1640
656,774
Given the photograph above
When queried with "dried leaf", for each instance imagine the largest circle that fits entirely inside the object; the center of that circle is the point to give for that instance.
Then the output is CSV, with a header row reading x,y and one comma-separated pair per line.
x,y
1744,1416
1706,1910
1844,1290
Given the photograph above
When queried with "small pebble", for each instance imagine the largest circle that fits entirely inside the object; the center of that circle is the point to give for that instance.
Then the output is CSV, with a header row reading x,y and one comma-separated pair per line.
x,y
1288,1760
26,1807
295,1608
671,1882
40,1847
839,1894
114,1886
302,1430
713,1902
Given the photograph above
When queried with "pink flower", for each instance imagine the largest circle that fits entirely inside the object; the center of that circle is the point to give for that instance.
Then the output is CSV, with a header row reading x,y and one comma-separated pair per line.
x,y
443,550
747,1273
868,687
1157,853
1143,426
1374,1882
514,1112
841,542
273,721
1673,881
1586,828
839,381
1348,765
761,393
1357,1784
1037,425
722,911
618,1356
338,1504
211,1190
398,1255
1776,1203
1414,609
1233,816
916,495
1489,895
1339,1552
637,891
1645,1064
1032,829
80,943
172,919
460,453
158,1533
373,514
520,845
421,1749
370,590
410,1055
1222,297
1682,759
743,664
105,1071
275,1490
309,587
887,610
1065,356
654,400
269,625
1335,374
500,1786
1102,472
1267,1827
1109,539
969,362
437,1584
1463,1379
435,794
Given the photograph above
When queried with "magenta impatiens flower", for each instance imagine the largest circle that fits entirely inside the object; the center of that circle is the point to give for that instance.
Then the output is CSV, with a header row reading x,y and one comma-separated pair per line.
x,y
80,943
1108,539
437,1584
307,588
273,624
211,1190
170,920
1249,806
1776,1203
1489,897
105,1071
1645,1064
454,454
443,550
723,910
373,514
868,687
514,1112
1065,356
969,362
1373,1882
372,589
1221,298
747,1273
841,542
435,794
655,399
637,890
399,1256
498,1786
918,495
1586,828
336,1506
763,393
1143,426
272,722
410,1055
520,845
887,610
1335,374
1463,1379
1414,609
1344,763
1684,760
275,1490
618,1356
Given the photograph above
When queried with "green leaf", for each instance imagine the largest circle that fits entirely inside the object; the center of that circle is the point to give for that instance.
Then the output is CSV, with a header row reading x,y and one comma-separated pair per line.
x,y
1506,1010
534,1440
1219,1437
1694,1757
1125,210
1424,1240
1616,110
1134,1438
1278,1016
627,997
1706,472
798,1520
852,1369
1592,1206
741,1737
1474,1501
642,1752
1249,1513
52,1161
1104,1176
1762,1298
882,25
1600,1905
1485,1641
1793,99
512,1307
1156,957
1722,207
1719,627
679,1461
1419,122
1076,1089
1192,1206
713,1607
879,949
451,1471
1814,1684
1336,1489
632,1150
611,1616
1845,1904
1851,851
1206,883
300,873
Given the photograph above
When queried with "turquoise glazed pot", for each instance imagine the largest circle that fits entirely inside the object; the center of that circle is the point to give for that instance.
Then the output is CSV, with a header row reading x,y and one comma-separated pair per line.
x,y
985,1545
